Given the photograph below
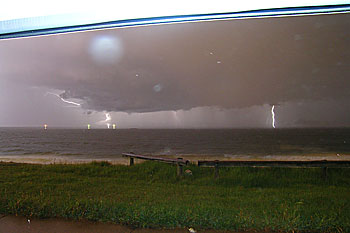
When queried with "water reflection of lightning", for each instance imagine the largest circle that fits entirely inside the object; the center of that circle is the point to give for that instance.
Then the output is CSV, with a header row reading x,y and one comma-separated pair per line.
x,y
273,116
66,101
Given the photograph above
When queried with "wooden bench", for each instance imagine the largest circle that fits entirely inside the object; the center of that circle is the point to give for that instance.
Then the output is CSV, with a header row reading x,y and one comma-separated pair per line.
x,y
292,164
180,162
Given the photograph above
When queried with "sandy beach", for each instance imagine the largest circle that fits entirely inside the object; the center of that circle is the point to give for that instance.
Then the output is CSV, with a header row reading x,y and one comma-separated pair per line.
x,y
72,159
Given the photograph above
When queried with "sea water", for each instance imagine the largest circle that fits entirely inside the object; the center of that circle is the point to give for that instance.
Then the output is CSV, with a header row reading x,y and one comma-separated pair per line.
x,y
98,143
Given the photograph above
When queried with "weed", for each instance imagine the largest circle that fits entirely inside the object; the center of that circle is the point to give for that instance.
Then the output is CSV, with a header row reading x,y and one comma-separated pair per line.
x,y
150,195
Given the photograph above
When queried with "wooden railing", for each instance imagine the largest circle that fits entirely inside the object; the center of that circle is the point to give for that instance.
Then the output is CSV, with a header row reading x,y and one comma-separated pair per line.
x,y
315,163
180,162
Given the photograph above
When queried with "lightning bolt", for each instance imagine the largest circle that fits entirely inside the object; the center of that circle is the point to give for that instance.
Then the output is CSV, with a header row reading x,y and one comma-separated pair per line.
x,y
108,118
273,116
106,121
66,101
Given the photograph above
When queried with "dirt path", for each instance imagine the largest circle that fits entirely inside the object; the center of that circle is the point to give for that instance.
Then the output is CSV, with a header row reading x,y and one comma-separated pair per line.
x,y
13,224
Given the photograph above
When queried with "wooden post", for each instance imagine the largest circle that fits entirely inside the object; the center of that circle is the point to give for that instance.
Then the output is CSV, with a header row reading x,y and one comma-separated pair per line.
x,y
325,173
179,169
216,171
131,161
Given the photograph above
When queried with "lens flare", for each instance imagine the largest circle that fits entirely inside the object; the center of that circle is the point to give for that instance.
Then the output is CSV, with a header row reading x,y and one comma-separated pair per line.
x,y
106,49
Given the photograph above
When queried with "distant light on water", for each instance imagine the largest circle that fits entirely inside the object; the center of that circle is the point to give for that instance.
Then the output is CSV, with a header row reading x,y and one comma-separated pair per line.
x,y
88,126
45,126
114,126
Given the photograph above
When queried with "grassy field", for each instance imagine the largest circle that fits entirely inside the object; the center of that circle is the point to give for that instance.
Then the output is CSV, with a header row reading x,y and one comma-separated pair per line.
x,y
150,195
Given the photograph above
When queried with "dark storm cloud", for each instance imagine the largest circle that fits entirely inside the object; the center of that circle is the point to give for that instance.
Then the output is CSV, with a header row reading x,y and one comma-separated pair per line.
x,y
228,64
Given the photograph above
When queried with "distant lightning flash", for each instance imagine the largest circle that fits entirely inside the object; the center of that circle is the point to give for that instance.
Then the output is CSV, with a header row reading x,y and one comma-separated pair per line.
x,y
66,101
273,116
106,121
108,118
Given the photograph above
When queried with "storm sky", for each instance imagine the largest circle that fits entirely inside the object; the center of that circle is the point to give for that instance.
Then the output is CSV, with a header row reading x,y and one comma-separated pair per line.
x,y
191,75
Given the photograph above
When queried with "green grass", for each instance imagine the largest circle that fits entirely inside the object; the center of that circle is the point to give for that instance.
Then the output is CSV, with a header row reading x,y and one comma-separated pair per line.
x,y
150,195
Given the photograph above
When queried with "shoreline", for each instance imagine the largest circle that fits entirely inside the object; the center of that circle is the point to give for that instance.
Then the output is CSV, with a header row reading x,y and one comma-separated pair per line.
x,y
79,159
